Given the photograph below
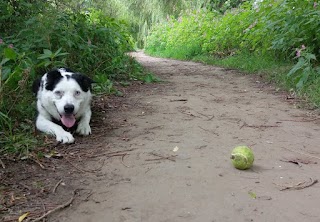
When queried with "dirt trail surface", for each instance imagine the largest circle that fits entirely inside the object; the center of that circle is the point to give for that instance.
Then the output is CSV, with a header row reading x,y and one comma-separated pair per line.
x,y
162,153
204,111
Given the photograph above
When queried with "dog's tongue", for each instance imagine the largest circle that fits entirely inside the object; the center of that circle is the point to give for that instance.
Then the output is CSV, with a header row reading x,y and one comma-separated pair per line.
x,y
68,120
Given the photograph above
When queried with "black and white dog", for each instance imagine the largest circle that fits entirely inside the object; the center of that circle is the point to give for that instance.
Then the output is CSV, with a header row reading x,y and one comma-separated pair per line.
x,y
63,97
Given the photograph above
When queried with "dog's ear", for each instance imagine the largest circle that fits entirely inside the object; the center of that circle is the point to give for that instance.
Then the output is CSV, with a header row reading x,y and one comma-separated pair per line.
x,y
83,81
53,77
36,85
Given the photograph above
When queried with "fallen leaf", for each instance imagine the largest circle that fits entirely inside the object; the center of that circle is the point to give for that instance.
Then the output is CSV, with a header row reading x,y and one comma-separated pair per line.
x,y
53,154
252,195
175,149
299,186
23,216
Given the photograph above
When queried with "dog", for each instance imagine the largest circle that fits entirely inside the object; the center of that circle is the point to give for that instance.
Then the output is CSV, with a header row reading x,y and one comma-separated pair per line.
x,y
63,102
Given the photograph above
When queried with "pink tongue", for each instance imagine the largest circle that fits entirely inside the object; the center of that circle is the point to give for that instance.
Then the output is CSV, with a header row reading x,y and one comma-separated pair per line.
x,y
68,120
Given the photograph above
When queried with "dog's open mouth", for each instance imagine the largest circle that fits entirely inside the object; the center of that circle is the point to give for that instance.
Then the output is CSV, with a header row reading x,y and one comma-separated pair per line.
x,y
68,120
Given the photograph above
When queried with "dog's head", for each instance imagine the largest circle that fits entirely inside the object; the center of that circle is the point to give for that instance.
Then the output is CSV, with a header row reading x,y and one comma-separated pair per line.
x,y
64,93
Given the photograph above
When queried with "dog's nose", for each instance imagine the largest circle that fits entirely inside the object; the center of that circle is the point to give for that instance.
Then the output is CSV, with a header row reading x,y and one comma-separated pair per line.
x,y
68,109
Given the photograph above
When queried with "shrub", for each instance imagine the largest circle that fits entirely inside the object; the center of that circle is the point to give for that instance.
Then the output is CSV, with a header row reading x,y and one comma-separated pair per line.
x,y
38,37
286,30
181,38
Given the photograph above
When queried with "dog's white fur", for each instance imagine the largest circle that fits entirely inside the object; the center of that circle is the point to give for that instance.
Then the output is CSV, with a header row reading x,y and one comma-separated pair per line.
x,y
51,104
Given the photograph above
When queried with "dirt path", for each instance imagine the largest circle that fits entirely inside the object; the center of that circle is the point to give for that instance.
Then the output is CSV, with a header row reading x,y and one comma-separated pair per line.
x,y
204,111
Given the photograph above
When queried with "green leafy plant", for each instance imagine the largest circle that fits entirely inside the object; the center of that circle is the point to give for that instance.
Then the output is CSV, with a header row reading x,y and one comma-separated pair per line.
x,y
303,69
103,85
50,58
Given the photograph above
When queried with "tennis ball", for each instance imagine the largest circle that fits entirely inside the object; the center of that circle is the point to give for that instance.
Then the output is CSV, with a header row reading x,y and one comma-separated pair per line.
x,y
242,157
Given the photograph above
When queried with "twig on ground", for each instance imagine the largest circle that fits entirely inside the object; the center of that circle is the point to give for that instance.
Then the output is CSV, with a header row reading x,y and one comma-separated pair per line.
x,y
136,102
188,113
38,162
209,117
25,186
156,159
56,186
153,128
90,193
248,177
2,164
69,202
201,147
258,126
99,168
122,160
298,161
162,157
178,100
81,170
43,207
292,161
299,186
300,120
210,131
116,154
111,154
302,153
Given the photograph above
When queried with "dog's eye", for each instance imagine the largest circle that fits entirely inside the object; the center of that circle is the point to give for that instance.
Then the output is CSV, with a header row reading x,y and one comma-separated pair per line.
x,y
58,93
77,93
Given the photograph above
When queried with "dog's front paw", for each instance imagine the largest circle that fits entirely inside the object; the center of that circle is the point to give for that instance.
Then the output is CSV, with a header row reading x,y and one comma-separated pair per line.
x,y
64,137
83,129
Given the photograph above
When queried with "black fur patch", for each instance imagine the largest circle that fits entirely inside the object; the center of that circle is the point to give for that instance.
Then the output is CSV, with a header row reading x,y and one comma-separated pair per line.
x,y
68,70
36,85
53,78
83,81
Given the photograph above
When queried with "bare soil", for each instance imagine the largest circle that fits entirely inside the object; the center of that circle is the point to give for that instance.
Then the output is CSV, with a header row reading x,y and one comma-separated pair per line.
x,y
162,152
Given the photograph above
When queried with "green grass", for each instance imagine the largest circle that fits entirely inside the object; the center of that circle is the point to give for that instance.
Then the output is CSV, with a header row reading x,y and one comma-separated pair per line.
x,y
313,93
245,62
270,68
19,144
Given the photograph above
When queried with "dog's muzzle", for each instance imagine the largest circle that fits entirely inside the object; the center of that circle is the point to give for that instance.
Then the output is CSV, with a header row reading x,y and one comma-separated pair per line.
x,y
69,108
68,119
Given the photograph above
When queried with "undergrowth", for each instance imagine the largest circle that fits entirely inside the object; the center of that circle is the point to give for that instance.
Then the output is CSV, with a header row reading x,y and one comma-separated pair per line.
x,y
277,39
37,37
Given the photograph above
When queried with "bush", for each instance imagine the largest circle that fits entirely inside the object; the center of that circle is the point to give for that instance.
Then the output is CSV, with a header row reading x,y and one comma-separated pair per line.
x,y
38,37
285,30
182,38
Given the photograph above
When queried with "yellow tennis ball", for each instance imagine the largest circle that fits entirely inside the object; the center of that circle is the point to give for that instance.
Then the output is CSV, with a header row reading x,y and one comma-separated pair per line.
x,y
242,157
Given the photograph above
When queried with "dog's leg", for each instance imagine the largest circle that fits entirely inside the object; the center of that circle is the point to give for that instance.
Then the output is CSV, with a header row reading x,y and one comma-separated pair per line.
x,y
83,125
49,127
